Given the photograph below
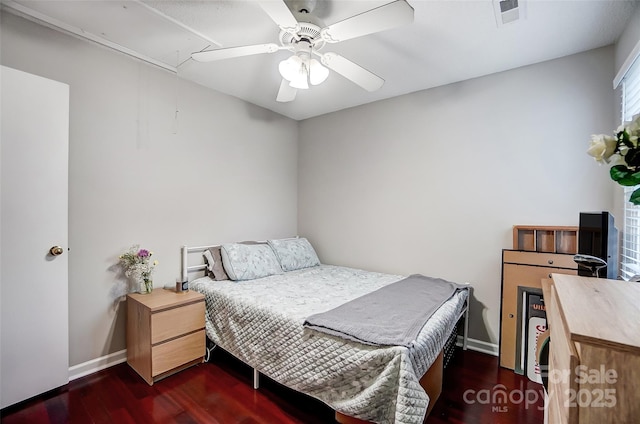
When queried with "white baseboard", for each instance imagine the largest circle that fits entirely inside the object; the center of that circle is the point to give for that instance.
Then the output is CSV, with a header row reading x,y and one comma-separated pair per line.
x,y
97,364
479,346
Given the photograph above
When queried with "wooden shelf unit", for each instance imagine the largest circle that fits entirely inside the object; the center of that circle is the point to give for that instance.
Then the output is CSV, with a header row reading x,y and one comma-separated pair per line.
x,y
549,239
538,251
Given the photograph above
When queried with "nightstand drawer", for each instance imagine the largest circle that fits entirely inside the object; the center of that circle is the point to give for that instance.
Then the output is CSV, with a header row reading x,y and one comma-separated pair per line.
x,y
174,353
174,322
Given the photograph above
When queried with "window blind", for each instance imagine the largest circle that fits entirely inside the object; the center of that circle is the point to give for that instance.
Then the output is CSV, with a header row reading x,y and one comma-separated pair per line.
x,y
630,252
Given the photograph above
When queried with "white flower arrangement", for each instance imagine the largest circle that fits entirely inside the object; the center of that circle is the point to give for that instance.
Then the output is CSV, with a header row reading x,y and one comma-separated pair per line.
x,y
138,266
624,152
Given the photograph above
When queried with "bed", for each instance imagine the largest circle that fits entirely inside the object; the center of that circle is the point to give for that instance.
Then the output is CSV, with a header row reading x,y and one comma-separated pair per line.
x,y
262,321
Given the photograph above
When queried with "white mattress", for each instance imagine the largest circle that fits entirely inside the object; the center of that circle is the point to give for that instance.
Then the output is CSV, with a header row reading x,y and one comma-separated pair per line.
x,y
260,322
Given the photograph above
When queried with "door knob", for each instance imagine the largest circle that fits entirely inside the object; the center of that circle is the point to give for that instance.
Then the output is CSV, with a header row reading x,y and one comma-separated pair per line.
x,y
56,250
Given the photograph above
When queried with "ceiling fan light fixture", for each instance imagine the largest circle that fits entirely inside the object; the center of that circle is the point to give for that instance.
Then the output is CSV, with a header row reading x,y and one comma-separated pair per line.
x,y
317,73
300,72
296,71
290,68
300,83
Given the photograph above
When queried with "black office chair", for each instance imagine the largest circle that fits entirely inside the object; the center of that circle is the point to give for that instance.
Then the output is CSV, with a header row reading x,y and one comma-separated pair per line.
x,y
592,263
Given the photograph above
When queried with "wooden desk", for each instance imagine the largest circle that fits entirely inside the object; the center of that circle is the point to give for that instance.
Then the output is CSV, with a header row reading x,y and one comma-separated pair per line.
x,y
594,356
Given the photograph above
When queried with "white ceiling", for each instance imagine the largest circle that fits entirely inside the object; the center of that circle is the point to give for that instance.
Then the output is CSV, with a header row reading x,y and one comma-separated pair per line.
x,y
449,41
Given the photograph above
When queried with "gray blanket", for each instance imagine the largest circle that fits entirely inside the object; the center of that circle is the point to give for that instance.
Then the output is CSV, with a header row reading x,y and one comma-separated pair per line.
x,y
390,316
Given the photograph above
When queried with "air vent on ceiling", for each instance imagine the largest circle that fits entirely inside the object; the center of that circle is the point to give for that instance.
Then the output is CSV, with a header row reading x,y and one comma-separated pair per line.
x,y
508,11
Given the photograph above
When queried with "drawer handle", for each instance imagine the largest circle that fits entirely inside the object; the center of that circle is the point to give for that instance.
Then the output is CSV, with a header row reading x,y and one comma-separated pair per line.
x,y
550,261
549,275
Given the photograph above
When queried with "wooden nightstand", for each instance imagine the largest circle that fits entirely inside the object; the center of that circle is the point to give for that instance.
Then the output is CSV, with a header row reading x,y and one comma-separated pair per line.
x,y
165,332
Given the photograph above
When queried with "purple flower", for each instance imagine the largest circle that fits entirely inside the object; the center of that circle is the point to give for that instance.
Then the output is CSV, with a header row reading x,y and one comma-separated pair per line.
x,y
143,253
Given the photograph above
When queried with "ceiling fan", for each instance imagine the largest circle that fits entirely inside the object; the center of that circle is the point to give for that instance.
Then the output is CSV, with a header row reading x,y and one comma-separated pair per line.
x,y
306,37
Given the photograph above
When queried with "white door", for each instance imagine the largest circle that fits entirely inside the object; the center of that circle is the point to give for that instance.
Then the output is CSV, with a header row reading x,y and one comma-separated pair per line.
x,y
34,336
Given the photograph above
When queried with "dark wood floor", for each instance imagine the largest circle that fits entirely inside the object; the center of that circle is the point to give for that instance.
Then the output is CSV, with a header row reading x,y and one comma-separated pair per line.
x,y
221,392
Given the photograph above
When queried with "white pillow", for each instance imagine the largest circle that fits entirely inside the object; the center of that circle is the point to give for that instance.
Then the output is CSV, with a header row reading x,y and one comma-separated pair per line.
x,y
249,261
296,253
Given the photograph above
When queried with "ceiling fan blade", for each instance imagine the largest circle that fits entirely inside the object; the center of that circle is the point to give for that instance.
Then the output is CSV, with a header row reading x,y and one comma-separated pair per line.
x,y
280,14
228,53
356,73
286,92
379,19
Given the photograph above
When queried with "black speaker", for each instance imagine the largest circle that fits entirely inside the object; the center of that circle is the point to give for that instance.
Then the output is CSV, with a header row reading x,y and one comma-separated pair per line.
x,y
598,236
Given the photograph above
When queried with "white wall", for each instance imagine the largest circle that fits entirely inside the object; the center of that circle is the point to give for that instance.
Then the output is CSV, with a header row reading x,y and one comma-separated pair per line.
x,y
432,182
224,170
628,40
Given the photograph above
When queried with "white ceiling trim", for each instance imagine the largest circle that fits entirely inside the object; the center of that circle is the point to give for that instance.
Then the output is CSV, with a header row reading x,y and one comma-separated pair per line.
x,y
178,23
18,9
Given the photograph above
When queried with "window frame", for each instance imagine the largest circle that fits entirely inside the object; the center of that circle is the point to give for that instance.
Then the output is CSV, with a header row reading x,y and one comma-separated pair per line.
x,y
630,246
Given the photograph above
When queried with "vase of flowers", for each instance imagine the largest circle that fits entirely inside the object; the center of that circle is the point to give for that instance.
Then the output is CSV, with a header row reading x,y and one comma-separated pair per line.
x,y
139,267
623,151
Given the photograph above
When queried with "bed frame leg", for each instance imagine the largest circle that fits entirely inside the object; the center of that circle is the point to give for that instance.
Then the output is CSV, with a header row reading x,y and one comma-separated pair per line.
x,y
256,379
465,335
